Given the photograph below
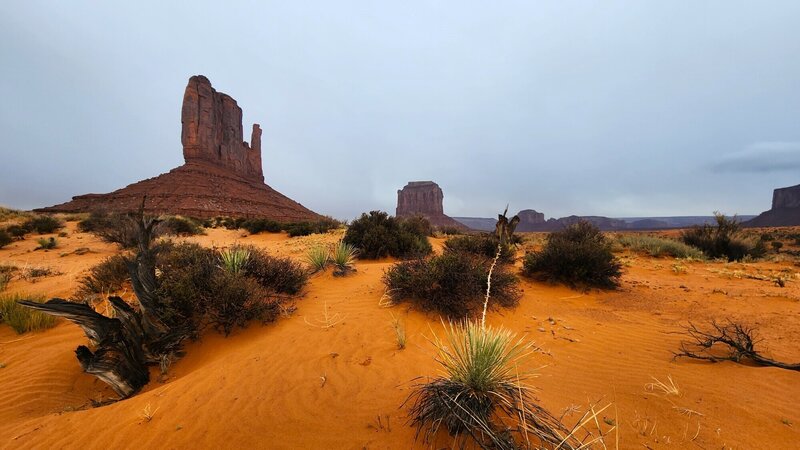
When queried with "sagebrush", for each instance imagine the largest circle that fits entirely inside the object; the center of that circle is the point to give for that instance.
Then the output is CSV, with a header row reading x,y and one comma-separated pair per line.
x,y
579,256
452,284
725,239
378,235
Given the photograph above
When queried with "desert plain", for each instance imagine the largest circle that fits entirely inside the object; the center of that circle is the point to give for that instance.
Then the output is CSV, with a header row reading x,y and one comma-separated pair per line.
x,y
329,374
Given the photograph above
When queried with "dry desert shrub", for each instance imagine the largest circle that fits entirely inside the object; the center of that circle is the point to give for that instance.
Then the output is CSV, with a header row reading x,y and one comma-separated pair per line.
x,y
181,226
453,284
108,276
43,224
484,244
5,238
579,256
724,240
378,235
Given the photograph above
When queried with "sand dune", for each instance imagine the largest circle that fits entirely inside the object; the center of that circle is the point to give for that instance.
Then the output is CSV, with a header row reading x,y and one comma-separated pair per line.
x,y
298,384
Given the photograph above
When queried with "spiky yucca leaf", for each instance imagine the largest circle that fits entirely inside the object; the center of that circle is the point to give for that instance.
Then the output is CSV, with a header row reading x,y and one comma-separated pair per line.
x,y
481,359
234,259
344,255
318,258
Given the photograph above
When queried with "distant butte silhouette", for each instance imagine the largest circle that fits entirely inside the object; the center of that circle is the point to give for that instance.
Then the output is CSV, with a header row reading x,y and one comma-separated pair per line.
x,y
222,175
785,211
424,198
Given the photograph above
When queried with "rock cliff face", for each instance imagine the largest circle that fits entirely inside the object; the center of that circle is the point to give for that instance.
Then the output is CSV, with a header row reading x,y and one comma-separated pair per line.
x,y
785,210
212,131
222,174
424,198
788,197
530,220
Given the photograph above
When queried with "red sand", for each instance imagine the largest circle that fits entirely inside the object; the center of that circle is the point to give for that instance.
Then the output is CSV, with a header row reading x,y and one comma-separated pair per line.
x,y
293,384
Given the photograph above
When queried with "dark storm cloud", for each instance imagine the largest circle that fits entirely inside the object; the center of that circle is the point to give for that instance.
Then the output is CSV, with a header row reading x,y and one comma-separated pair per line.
x,y
611,108
764,157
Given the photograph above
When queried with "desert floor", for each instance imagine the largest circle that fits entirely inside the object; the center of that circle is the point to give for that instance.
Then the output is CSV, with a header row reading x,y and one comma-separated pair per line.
x,y
296,384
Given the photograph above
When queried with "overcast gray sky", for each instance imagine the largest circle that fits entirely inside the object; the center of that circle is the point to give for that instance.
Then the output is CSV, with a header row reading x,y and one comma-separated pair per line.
x,y
635,108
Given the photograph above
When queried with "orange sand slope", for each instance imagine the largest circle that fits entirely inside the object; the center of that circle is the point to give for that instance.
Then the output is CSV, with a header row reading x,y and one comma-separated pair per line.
x,y
295,384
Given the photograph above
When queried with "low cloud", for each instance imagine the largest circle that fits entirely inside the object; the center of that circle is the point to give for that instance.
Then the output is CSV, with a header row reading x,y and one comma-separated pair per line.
x,y
761,157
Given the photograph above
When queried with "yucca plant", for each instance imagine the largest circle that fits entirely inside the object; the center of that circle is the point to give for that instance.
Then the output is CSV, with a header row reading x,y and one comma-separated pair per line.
x,y
482,393
318,258
343,257
234,259
480,379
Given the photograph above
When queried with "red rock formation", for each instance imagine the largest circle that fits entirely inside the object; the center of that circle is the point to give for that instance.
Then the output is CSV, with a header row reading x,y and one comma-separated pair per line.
x,y
530,219
785,210
222,175
212,130
424,198
788,197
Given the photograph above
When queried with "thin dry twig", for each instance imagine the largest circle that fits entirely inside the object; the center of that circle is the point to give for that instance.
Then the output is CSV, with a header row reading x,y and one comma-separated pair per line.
x,y
738,342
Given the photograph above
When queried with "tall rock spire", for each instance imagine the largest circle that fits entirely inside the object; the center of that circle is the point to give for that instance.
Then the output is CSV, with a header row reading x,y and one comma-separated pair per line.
x,y
212,131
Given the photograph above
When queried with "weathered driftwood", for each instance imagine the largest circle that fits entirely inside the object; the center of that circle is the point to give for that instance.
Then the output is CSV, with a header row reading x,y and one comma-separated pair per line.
x,y
733,341
119,358
131,340
504,228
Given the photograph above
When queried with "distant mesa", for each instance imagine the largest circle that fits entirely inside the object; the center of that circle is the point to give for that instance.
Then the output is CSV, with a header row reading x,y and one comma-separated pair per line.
x,y
222,174
531,220
785,210
424,198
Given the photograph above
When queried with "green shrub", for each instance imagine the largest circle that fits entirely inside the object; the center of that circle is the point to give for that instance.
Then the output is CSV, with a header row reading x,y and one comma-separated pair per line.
x,y
185,284
658,247
108,276
181,226
22,319
777,246
417,225
43,224
5,238
47,244
195,290
306,228
236,300
231,223
484,244
725,240
17,231
579,256
377,235
279,275
452,284
255,226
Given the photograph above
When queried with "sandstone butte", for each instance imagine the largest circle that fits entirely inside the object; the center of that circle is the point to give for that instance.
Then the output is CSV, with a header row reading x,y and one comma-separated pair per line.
x,y
785,209
222,175
424,198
